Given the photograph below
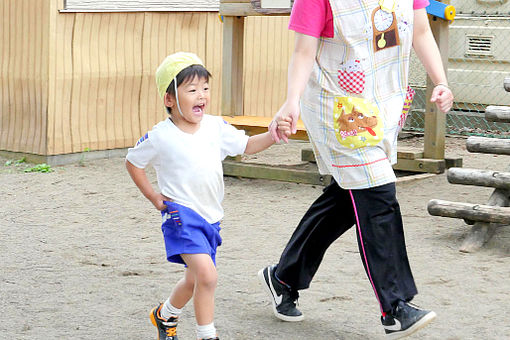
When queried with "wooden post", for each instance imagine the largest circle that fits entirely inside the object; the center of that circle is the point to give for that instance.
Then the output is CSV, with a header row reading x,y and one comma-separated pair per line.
x,y
232,80
435,120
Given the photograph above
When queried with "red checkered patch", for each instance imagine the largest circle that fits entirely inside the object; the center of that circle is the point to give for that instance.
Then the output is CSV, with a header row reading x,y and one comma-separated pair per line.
x,y
351,82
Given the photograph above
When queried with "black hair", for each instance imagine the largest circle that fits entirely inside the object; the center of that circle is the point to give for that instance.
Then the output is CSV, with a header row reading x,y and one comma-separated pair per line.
x,y
189,73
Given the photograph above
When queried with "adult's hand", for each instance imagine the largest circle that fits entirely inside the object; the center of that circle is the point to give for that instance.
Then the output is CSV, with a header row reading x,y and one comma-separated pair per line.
x,y
289,112
443,97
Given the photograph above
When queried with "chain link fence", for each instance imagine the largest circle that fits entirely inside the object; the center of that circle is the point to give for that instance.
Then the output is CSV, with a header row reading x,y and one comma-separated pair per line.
x,y
479,61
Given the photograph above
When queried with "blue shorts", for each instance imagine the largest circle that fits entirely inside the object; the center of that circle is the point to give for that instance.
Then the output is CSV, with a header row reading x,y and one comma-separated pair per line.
x,y
186,232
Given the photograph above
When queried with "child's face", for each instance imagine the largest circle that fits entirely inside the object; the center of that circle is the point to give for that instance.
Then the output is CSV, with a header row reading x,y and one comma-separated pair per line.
x,y
194,98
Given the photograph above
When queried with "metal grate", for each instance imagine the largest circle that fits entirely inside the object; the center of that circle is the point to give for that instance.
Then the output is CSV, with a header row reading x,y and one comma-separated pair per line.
x,y
480,46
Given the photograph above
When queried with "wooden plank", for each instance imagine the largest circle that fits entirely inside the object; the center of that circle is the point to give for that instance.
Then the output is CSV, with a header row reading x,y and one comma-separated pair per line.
x,y
485,178
497,113
435,166
303,174
232,67
246,9
499,146
474,212
257,6
255,125
435,121
403,153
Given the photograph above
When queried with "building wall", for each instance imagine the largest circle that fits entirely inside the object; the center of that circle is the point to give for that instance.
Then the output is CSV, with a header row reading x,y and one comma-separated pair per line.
x,y
23,75
104,94
73,81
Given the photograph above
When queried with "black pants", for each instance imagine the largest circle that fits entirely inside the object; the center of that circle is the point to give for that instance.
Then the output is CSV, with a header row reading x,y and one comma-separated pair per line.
x,y
381,243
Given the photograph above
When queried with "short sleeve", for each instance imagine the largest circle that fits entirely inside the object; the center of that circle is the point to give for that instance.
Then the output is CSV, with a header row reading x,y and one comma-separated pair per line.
x,y
418,4
233,141
142,154
312,17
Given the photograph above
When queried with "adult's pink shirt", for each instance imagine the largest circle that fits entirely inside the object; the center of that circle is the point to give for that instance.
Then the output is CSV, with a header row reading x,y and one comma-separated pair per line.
x,y
314,17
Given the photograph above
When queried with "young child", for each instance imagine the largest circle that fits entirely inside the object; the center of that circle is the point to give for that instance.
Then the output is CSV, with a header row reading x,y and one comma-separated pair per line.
x,y
186,150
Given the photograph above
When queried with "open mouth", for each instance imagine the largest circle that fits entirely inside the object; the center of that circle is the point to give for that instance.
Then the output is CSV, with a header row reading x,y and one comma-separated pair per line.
x,y
198,109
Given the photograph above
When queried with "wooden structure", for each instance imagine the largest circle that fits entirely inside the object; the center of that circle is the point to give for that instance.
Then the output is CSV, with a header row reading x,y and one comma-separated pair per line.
x,y
431,160
484,218
76,77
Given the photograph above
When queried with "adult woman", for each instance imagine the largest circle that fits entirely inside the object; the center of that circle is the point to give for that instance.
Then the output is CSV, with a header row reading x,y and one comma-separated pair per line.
x,y
348,77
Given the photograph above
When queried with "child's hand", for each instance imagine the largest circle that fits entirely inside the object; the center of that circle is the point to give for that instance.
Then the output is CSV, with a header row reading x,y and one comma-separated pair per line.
x,y
284,127
157,201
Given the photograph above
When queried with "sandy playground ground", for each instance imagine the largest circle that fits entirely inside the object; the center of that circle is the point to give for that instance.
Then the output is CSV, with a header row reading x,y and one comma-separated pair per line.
x,y
82,257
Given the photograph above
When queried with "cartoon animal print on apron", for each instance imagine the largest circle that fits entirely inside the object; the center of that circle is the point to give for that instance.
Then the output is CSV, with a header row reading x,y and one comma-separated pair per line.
x,y
357,122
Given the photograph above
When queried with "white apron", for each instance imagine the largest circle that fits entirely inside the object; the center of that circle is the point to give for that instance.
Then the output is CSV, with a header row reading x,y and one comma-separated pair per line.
x,y
357,97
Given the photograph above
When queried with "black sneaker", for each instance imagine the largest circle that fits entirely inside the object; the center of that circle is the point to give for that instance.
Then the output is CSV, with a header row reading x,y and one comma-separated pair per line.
x,y
283,298
405,319
167,329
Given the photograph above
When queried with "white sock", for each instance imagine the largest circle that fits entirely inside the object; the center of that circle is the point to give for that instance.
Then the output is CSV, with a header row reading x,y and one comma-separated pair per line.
x,y
206,331
168,310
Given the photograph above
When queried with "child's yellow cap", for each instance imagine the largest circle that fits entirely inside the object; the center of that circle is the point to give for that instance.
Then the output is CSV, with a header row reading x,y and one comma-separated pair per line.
x,y
170,68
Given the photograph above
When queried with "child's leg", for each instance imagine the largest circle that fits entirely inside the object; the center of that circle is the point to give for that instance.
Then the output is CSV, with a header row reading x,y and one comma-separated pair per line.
x,y
183,290
202,268
181,294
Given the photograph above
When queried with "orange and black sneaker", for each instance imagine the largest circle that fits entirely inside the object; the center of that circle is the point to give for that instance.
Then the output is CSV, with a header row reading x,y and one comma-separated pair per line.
x,y
167,329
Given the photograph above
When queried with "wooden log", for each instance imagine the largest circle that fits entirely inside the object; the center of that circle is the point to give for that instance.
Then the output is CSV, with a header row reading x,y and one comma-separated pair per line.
x,y
481,232
298,174
474,212
497,113
483,178
497,146
506,84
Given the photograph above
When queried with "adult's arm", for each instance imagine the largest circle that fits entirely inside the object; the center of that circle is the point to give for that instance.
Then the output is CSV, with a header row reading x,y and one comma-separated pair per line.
x,y
427,51
300,67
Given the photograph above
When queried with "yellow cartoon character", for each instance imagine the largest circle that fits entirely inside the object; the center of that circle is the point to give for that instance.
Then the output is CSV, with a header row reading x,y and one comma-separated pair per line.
x,y
357,122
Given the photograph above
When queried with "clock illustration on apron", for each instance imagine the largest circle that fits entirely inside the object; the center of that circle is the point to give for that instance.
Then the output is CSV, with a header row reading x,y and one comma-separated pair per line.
x,y
385,27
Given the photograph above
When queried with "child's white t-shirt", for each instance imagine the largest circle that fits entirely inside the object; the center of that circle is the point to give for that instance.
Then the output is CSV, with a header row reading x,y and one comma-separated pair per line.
x,y
188,166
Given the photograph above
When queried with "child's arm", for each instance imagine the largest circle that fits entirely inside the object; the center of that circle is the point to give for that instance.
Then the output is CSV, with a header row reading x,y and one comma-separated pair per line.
x,y
142,182
258,143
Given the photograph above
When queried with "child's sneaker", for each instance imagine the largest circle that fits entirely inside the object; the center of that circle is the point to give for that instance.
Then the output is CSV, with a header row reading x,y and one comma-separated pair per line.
x,y
405,319
283,298
167,329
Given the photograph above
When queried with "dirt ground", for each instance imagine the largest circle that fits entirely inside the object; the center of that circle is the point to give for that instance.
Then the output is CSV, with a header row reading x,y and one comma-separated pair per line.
x,y
82,257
